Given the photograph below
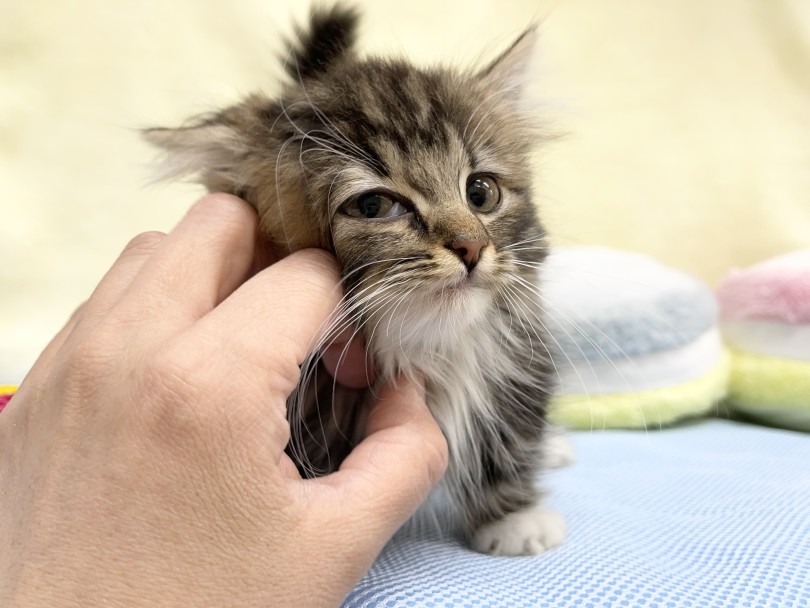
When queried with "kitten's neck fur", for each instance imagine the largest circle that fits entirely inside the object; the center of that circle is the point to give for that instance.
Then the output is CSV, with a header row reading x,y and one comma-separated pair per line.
x,y
485,383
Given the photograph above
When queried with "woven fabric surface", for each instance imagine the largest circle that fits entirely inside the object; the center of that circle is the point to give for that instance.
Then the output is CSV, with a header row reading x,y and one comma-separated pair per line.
x,y
706,515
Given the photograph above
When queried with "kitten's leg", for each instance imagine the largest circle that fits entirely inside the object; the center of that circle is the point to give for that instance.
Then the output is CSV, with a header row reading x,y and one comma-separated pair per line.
x,y
512,521
506,516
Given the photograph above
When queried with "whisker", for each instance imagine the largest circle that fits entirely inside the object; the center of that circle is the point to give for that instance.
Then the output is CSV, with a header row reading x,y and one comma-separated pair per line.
x,y
588,337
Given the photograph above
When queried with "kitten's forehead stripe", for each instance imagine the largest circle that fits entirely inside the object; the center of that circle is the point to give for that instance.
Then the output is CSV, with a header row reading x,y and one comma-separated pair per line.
x,y
410,121
392,104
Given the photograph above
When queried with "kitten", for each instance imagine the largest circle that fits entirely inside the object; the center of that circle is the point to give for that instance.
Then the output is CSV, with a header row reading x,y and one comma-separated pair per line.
x,y
418,181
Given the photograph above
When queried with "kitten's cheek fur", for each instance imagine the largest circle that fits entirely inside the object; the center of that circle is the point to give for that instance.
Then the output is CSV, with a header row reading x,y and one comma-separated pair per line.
x,y
531,531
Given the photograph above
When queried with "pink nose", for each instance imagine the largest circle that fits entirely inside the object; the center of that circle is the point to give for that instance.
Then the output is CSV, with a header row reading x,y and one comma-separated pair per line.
x,y
469,250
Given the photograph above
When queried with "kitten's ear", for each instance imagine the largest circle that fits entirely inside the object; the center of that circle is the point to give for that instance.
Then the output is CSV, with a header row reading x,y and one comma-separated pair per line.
x,y
328,39
510,71
216,149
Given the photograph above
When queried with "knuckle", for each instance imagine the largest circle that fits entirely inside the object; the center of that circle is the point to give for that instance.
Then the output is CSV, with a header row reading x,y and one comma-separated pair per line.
x,y
316,275
429,452
173,390
318,261
227,210
144,243
89,361
187,397
172,375
283,377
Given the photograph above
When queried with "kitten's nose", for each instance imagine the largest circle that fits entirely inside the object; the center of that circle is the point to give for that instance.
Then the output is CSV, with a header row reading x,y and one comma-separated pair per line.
x,y
469,250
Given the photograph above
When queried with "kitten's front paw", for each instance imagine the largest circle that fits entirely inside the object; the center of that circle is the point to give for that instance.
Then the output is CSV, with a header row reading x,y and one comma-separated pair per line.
x,y
531,531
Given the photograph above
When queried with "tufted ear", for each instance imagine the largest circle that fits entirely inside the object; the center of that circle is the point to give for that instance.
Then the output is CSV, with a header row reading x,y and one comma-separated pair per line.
x,y
240,150
216,149
204,150
509,72
327,40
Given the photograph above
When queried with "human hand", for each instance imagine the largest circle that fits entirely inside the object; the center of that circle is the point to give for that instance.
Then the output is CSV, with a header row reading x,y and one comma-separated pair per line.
x,y
142,460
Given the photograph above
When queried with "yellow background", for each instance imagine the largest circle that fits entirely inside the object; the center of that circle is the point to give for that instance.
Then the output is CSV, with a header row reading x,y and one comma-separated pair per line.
x,y
686,122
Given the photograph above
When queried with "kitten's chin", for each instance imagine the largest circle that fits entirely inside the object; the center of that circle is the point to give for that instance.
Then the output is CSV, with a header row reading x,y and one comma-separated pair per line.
x,y
464,299
459,288
467,299
434,323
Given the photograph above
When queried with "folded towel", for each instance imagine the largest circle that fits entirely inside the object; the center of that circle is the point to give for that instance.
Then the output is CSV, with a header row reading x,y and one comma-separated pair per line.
x,y
636,343
613,304
765,319
644,409
769,338
770,389
776,290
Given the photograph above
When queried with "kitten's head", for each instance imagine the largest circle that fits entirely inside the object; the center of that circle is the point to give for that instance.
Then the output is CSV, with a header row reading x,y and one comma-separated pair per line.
x,y
418,180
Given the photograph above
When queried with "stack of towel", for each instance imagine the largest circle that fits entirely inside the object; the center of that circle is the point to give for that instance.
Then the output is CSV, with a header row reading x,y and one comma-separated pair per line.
x,y
765,319
636,343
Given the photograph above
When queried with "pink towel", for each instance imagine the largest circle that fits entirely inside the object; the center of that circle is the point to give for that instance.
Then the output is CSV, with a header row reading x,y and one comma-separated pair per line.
x,y
775,290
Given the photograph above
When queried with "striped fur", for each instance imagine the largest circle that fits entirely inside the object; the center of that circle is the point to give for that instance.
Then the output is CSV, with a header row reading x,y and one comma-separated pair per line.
x,y
344,126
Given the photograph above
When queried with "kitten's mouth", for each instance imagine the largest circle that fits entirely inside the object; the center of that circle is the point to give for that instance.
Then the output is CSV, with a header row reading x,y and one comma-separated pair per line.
x,y
459,288
464,285
467,298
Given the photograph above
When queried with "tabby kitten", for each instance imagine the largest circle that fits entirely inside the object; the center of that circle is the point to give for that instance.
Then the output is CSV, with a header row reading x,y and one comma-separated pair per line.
x,y
418,181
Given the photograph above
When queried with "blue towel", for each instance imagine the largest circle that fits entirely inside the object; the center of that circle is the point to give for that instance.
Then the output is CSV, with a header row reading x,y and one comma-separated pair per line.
x,y
604,303
702,516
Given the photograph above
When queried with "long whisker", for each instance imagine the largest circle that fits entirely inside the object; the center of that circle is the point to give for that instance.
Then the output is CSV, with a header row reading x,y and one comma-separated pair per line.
x,y
589,338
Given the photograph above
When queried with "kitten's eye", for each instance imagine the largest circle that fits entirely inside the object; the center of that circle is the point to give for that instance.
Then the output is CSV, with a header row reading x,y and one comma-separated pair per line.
x,y
374,206
483,193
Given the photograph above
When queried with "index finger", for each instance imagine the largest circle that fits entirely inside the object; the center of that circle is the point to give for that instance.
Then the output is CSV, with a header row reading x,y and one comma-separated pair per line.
x,y
196,265
273,321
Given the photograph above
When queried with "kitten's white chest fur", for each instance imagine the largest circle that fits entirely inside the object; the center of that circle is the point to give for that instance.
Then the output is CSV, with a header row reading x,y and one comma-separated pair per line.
x,y
462,368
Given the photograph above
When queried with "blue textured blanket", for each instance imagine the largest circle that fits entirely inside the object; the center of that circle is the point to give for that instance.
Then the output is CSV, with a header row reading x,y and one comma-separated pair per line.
x,y
712,514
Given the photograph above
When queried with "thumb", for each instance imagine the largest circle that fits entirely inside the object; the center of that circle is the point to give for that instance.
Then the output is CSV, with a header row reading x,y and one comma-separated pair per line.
x,y
391,472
